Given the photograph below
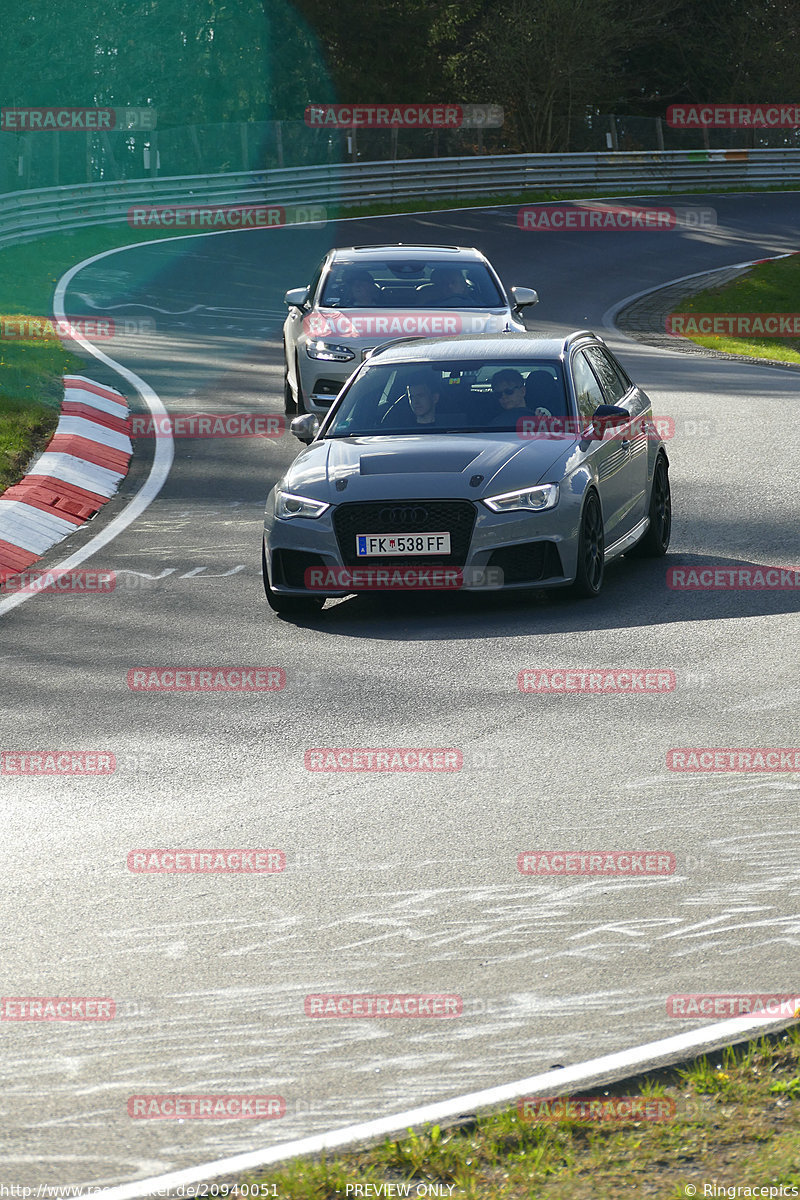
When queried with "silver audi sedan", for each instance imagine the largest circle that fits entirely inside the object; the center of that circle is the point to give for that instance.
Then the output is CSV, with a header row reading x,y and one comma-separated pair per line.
x,y
500,461
363,296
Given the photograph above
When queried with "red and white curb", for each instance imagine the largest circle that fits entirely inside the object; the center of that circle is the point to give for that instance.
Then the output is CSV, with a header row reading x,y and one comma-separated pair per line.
x,y
80,470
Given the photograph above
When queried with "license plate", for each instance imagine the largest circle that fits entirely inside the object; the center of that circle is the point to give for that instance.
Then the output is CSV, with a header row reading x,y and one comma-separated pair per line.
x,y
384,545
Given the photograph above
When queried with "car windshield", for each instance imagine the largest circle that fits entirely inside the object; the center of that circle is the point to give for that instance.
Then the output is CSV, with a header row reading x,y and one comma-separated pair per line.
x,y
489,396
416,284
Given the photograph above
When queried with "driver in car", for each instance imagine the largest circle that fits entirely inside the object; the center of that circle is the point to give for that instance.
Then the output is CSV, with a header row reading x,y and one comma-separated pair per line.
x,y
448,286
417,406
360,290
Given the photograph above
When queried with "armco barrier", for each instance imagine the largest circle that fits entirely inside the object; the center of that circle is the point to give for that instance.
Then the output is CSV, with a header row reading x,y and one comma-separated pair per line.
x,y
24,215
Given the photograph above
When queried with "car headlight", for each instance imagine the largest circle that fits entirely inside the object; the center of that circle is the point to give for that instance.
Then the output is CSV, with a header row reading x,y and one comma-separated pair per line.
x,y
287,505
327,352
535,499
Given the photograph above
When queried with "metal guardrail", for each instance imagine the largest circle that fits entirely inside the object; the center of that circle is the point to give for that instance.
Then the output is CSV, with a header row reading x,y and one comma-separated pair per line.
x,y
26,215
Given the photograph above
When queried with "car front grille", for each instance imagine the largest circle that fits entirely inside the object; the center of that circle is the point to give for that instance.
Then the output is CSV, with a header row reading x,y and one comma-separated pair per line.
x,y
456,517
529,562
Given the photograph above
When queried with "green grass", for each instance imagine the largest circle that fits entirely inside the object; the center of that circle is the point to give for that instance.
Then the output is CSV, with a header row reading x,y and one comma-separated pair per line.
x,y
737,1120
30,399
772,287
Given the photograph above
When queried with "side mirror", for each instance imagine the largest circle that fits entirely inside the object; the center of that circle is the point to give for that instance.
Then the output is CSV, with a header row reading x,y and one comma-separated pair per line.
x,y
608,416
296,298
524,298
305,428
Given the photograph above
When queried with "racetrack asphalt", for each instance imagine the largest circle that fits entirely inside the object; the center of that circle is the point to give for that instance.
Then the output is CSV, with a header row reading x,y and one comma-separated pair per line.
x,y
401,883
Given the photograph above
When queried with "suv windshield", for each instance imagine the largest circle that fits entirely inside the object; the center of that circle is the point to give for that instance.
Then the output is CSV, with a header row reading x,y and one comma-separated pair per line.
x,y
418,284
477,396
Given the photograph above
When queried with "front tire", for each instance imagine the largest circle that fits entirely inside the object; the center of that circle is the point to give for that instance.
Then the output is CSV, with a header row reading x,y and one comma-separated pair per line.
x,y
591,550
289,606
655,542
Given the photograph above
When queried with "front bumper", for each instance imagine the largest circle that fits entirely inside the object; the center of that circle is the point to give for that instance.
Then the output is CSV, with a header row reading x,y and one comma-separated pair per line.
x,y
508,551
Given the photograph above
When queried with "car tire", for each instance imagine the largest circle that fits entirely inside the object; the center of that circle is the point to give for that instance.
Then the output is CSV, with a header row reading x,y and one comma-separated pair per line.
x,y
591,549
655,542
289,606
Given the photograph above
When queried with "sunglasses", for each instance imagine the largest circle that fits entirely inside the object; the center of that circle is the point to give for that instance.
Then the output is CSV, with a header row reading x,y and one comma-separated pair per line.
x,y
507,391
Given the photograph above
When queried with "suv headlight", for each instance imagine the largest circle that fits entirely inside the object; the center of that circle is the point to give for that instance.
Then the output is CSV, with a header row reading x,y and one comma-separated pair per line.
x,y
328,352
535,499
287,505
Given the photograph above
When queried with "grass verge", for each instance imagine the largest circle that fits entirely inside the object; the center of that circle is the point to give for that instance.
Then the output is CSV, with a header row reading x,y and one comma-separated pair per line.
x,y
30,397
771,287
736,1121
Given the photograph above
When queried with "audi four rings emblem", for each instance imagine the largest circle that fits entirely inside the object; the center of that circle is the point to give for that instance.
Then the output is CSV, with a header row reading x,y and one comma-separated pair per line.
x,y
404,516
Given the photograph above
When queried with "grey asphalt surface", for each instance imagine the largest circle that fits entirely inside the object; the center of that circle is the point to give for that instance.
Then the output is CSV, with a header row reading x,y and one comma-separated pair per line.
x,y
394,883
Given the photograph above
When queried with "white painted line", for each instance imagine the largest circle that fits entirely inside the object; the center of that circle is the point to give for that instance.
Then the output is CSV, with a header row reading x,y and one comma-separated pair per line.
x,y
31,528
596,1071
58,465
83,427
79,396
162,460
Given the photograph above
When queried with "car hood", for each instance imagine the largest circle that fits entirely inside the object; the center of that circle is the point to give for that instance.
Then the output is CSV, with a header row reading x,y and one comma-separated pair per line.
x,y
336,470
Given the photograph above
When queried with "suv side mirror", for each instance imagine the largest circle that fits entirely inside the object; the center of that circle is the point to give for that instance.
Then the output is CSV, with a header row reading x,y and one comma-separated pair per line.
x,y
306,427
524,298
296,298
